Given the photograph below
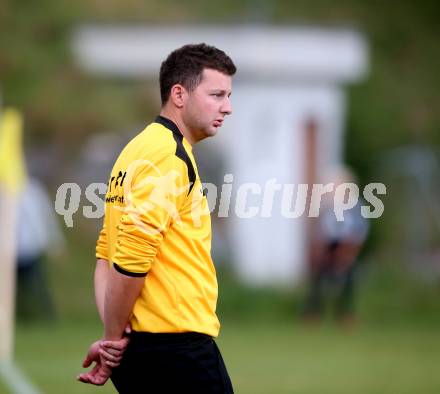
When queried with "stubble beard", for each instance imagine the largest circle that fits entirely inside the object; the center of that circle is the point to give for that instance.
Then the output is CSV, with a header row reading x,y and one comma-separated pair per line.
x,y
199,129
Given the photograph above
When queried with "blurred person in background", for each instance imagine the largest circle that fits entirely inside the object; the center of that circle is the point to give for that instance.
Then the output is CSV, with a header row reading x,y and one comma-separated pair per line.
x,y
336,247
154,269
38,236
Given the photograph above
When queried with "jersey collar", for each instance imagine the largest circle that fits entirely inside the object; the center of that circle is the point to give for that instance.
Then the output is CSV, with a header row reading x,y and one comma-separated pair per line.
x,y
170,125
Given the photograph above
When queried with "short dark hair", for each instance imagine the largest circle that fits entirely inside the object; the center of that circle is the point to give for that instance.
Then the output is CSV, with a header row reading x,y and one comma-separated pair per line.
x,y
185,66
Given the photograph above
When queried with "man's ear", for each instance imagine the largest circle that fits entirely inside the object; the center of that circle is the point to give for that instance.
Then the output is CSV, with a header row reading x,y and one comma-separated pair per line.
x,y
178,95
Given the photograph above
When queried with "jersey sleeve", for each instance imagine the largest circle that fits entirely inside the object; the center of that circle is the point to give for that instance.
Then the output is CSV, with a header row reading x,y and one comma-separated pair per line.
x,y
154,193
102,244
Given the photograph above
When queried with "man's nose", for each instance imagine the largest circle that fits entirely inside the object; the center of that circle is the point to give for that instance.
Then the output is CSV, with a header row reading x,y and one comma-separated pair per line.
x,y
226,107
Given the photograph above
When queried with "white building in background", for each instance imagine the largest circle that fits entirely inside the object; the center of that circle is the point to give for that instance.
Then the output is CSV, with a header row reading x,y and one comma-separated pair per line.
x,y
289,109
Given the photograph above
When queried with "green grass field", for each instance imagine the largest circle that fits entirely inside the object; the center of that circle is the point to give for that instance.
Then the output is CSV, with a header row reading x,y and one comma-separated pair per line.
x,y
394,349
264,358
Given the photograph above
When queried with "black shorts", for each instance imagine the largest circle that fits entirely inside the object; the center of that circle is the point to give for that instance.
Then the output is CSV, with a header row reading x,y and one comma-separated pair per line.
x,y
171,363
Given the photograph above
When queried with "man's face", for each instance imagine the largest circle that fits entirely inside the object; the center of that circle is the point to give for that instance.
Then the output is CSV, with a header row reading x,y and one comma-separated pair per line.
x,y
208,104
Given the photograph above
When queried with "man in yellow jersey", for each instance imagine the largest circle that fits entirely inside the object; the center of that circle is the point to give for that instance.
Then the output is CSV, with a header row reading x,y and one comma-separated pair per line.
x,y
154,273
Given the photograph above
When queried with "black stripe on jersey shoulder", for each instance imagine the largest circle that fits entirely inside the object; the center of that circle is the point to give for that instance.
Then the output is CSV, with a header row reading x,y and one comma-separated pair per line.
x,y
180,149
128,273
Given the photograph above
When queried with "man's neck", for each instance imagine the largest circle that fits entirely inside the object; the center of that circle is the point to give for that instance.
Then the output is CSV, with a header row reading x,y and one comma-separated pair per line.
x,y
177,119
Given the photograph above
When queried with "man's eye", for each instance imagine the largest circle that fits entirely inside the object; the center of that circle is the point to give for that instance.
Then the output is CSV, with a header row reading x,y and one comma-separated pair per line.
x,y
217,94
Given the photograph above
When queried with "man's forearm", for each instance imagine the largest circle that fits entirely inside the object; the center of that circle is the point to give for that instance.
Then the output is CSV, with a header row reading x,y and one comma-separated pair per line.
x,y
120,296
101,275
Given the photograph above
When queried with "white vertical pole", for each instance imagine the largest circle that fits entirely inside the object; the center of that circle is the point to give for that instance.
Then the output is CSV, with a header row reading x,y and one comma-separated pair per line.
x,y
12,178
8,210
7,273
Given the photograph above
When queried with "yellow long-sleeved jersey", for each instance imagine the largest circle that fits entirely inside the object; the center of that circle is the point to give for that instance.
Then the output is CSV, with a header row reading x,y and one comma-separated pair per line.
x,y
157,222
